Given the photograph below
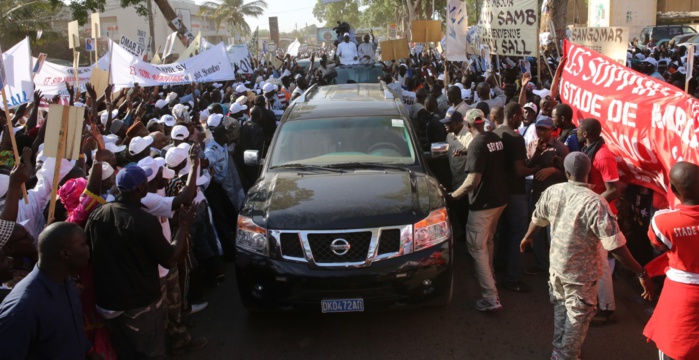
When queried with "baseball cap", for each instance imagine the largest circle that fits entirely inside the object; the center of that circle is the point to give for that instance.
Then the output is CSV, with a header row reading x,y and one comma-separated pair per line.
x,y
171,96
114,148
452,115
104,114
155,165
236,107
531,106
179,132
139,144
168,120
160,103
544,122
242,99
285,73
110,138
178,111
475,116
346,34
651,61
175,156
269,87
214,120
577,164
131,177
241,89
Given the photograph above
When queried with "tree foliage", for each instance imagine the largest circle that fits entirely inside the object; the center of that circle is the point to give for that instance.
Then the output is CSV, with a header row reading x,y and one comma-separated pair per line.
x,y
345,10
26,18
233,13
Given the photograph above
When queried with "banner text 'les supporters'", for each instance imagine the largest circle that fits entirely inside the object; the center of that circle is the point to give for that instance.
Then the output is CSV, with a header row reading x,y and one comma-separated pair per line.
x,y
648,124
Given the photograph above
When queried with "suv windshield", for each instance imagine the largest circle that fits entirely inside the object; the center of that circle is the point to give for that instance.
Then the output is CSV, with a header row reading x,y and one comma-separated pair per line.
x,y
377,140
362,74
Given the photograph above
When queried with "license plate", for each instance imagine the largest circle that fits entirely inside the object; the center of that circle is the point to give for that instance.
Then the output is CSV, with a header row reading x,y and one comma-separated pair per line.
x,y
342,305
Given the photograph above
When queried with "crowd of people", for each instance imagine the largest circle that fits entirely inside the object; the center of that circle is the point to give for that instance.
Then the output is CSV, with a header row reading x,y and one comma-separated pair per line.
x,y
146,216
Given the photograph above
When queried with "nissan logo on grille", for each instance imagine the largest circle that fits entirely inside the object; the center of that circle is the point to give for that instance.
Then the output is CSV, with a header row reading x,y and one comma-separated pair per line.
x,y
340,247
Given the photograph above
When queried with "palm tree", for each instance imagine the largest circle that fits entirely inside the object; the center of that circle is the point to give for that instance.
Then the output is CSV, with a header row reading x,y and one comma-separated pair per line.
x,y
233,13
25,18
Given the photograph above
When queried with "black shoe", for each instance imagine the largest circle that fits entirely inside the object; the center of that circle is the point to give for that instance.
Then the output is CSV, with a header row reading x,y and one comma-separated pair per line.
x,y
517,286
603,317
535,271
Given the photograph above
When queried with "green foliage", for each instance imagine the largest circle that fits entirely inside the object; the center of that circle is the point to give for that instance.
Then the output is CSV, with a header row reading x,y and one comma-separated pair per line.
x,y
24,18
345,10
81,9
233,13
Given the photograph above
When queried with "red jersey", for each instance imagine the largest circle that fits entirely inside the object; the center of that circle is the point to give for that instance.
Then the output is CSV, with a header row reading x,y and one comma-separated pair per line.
x,y
678,230
604,169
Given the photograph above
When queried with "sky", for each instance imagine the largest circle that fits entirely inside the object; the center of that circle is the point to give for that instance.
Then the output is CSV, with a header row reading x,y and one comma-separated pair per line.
x,y
290,13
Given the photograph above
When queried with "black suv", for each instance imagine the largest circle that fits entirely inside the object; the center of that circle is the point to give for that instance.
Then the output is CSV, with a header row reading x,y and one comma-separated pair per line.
x,y
345,215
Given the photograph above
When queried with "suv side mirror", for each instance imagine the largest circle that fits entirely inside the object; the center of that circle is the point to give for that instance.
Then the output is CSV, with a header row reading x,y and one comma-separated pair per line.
x,y
252,157
438,149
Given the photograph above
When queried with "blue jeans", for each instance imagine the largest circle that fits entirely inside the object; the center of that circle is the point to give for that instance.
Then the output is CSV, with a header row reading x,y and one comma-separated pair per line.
x,y
511,230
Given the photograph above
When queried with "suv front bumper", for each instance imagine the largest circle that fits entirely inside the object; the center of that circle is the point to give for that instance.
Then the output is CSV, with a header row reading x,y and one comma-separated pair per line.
x,y
424,277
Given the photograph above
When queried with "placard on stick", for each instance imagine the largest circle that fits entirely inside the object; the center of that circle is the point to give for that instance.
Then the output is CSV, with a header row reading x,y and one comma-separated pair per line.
x,y
72,135
95,26
73,35
426,30
99,79
395,49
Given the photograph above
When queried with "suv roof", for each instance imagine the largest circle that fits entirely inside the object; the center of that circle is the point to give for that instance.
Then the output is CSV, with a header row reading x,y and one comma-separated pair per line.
x,y
354,100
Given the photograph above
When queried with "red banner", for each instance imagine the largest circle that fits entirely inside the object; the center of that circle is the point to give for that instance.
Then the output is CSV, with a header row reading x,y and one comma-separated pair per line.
x,y
648,124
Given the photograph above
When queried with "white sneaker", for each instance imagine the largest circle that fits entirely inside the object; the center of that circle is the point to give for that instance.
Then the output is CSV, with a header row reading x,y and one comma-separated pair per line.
x,y
198,307
488,304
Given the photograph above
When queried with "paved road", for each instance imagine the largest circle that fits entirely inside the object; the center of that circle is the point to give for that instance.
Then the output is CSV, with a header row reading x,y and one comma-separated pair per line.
x,y
522,330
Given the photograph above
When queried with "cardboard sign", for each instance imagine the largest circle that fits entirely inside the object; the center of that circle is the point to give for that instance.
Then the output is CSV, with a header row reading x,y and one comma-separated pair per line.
x,y
99,79
457,28
608,41
509,28
72,137
395,49
95,27
73,35
426,30
392,30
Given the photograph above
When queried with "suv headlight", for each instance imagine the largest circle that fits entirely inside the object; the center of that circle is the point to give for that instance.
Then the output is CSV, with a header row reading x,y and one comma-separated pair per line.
x,y
432,230
251,237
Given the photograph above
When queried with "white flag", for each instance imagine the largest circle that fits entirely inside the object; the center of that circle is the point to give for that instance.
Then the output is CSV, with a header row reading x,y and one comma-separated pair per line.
x,y
457,27
293,48
17,63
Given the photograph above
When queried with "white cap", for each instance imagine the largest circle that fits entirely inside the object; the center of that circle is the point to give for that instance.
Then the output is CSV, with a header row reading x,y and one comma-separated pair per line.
x,y
107,170
285,73
542,93
139,144
217,85
104,115
171,96
114,148
241,89
4,184
268,88
236,107
465,94
651,61
161,103
459,85
168,120
179,132
110,138
242,99
178,111
154,165
346,34
175,156
682,70
214,120
440,77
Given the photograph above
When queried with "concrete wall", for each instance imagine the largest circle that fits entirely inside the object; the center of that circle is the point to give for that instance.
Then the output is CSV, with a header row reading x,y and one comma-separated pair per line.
x,y
633,14
678,5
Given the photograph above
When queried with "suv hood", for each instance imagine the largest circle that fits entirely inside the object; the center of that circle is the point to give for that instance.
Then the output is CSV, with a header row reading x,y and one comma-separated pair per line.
x,y
350,200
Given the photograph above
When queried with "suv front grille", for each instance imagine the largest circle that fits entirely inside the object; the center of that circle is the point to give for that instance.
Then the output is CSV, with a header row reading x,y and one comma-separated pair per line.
x,y
322,252
389,241
291,245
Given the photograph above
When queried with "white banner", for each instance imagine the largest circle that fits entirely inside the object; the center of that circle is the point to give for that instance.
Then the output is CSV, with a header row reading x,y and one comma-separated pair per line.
x,y
51,79
209,66
18,74
509,27
239,56
457,27
610,41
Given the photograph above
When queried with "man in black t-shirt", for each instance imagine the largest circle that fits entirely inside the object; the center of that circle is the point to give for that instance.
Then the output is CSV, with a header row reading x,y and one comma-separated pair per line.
x,y
486,186
514,219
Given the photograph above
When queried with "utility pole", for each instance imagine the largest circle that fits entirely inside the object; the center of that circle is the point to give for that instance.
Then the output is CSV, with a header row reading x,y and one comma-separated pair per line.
x,y
151,26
